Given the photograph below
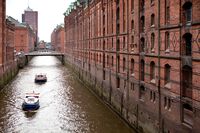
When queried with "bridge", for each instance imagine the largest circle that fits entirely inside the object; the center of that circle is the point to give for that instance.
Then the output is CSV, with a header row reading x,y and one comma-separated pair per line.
x,y
45,53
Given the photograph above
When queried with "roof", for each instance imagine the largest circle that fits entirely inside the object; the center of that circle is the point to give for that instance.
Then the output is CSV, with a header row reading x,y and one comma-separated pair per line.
x,y
28,9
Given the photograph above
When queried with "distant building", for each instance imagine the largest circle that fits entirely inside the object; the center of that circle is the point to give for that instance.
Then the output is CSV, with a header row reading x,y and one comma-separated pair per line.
x,y
31,18
42,45
24,36
58,38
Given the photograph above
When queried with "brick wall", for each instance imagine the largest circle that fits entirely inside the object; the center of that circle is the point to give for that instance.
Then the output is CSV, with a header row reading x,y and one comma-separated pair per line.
x,y
104,36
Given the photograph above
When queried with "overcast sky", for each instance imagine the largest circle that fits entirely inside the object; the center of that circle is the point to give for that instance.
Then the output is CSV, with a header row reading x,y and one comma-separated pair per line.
x,y
50,13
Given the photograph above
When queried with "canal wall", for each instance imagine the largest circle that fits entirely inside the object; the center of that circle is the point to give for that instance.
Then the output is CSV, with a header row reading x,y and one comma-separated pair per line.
x,y
10,70
115,99
7,73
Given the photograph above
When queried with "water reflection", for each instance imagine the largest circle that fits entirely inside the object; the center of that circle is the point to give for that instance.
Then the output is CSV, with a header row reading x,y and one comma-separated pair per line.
x,y
65,105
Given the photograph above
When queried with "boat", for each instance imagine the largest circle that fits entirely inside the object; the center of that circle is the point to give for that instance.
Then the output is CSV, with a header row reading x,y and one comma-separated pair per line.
x,y
31,101
40,78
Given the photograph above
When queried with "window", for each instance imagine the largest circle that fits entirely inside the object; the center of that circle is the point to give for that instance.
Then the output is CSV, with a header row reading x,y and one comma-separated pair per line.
x,y
112,42
132,66
152,42
124,64
118,82
187,10
142,4
118,44
142,23
118,64
187,114
167,41
132,39
132,86
108,60
152,96
132,5
142,45
167,11
124,42
152,20
187,44
142,71
187,81
112,61
167,73
152,72
142,92
132,25
167,103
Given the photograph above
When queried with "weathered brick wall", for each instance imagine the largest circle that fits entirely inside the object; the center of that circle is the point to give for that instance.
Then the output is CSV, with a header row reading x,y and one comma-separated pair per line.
x,y
107,66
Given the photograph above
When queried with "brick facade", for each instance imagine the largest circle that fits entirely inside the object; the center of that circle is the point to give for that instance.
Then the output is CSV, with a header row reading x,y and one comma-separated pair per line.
x,y
31,17
58,38
142,57
24,38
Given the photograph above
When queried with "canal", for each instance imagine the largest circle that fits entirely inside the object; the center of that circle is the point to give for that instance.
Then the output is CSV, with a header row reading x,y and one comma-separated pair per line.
x,y
65,104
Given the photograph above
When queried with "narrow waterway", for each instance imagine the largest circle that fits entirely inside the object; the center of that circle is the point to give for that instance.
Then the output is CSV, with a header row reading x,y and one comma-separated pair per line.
x,y
65,104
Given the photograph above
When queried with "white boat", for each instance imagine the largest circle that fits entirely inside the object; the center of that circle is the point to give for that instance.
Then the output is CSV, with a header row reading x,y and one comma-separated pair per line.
x,y
31,101
40,78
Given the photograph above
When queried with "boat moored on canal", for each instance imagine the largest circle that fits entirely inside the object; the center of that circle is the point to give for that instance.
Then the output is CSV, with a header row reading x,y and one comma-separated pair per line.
x,y
40,78
31,101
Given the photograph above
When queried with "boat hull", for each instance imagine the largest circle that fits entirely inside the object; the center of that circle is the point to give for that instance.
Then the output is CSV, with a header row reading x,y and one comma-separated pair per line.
x,y
40,80
26,106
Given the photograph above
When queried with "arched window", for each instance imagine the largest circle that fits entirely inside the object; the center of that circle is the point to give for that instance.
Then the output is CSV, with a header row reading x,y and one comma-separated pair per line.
x,y
187,44
118,45
167,41
167,73
132,66
142,70
187,12
124,42
152,20
142,44
152,71
152,41
124,64
142,23
107,60
132,25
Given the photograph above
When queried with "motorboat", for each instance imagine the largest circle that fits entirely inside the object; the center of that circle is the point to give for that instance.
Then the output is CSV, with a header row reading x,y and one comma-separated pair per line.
x,y
31,101
40,78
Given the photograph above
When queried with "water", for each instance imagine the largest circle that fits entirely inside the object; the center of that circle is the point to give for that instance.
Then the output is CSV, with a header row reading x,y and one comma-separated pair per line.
x,y
65,104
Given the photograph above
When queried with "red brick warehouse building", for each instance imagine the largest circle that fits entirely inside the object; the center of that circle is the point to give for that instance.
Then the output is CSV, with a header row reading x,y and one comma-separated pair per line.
x,y
8,66
58,38
31,17
142,57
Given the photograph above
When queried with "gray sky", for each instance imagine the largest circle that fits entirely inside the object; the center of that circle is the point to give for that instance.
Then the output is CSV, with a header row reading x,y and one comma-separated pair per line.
x,y
50,13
